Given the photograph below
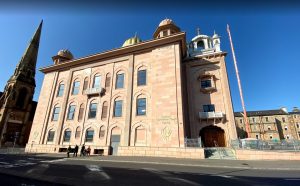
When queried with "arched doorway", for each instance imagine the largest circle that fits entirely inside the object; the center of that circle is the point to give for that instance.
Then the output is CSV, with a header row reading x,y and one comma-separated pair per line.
x,y
212,136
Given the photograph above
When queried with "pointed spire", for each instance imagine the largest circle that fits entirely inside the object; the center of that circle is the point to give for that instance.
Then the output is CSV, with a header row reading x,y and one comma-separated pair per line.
x,y
27,65
198,31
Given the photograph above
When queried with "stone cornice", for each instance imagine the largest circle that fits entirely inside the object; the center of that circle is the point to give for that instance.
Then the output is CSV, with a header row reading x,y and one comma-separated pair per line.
x,y
178,37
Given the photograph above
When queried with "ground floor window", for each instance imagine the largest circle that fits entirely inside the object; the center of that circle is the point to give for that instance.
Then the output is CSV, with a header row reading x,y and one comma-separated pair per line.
x,y
89,135
67,136
50,136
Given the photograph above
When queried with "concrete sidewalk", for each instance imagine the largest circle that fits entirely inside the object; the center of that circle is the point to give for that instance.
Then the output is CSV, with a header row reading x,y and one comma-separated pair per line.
x,y
239,164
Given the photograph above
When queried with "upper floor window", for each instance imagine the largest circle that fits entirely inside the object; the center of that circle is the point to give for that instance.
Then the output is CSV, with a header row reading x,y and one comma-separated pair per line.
x,y
97,81
61,89
141,107
206,83
104,110
120,81
85,83
76,86
81,110
142,77
297,124
93,110
107,81
253,119
89,136
50,137
283,119
200,45
71,112
55,113
118,108
67,135
241,120
267,119
209,108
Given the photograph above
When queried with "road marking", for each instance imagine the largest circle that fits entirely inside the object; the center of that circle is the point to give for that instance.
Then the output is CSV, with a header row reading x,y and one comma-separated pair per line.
x,y
98,169
5,163
52,161
224,176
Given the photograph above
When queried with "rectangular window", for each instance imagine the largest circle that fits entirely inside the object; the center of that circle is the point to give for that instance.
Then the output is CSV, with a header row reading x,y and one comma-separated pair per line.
x,y
297,125
85,83
97,81
253,119
118,108
141,107
77,134
241,120
208,108
104,110
55,114
120,81
80,115
93,110
267,119
89,136
76,86
67,136
142,77
205,83
71,112
50,136
60,90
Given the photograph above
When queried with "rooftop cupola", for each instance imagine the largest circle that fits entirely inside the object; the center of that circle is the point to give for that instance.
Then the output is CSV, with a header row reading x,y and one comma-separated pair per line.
x,y
203,44
165,28
62,55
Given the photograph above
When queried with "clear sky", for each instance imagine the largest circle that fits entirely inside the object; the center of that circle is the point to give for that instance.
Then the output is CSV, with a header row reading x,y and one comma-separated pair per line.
x,y
266,39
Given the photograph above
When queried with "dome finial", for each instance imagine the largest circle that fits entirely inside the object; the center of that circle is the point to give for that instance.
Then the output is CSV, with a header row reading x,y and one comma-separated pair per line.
x,y
198,31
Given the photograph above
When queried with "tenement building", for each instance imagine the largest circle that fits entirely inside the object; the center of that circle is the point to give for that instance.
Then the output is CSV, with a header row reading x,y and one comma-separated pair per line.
x,y
144,98
270,124
16,106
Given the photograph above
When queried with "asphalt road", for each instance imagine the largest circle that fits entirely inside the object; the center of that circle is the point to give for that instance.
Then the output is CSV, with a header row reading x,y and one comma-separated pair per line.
x,y
31,170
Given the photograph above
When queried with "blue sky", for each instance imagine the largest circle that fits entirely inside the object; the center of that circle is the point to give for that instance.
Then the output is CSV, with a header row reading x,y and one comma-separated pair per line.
x,y
266,41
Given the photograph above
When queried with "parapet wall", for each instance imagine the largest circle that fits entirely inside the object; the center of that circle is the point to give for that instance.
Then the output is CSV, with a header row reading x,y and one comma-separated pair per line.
x,y
266,155
174,152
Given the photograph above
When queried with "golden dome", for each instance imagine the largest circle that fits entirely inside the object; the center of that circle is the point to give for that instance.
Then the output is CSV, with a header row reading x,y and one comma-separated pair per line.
x,y
65,53
132,41
166,22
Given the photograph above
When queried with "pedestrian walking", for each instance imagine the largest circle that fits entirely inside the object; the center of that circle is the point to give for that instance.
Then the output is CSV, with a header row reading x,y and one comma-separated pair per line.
x,y
75,150
82,151
69,151
88,150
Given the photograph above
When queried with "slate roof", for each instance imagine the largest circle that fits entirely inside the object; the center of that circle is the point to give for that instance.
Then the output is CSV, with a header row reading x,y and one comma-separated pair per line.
x,y
261,113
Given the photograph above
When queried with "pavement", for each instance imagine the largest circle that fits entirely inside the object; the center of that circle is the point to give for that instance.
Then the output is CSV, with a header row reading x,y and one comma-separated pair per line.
x,y
213,163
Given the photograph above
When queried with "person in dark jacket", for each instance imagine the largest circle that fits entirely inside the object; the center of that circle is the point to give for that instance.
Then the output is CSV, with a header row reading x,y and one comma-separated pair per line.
x,y
82,151
69,151
75,151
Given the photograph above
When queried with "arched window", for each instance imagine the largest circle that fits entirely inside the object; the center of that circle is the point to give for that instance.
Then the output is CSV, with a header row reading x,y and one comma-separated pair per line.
x,y
55,113
140,135
102,132
71,112
67,135
77,133
50,137
120,80
141,106
89,135
60,91
85,83
81,112
97,81
142,77
93,110
104,111
200,45
21,98
118,105
76,86
107,81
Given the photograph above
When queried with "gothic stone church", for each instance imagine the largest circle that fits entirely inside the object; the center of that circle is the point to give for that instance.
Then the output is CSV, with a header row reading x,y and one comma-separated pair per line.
x,y
16,106
144,98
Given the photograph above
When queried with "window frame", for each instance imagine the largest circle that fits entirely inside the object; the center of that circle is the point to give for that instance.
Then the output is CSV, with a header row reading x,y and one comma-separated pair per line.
x,y
120,80
61,89
53,132
54,113
140,76
210,108
90,110
76,89
86,139
67,131
69,112
140,113
116,108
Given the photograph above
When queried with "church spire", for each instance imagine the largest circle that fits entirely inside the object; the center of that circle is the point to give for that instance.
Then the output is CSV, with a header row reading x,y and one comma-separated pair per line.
x,y
25,70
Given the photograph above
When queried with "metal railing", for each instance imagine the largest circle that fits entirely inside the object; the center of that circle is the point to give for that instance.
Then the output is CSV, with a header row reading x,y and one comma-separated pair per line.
x,y
196,142
90,91
208,115
286,145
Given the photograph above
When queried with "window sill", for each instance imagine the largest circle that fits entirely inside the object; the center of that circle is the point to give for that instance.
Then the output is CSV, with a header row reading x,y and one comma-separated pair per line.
x,y
208,90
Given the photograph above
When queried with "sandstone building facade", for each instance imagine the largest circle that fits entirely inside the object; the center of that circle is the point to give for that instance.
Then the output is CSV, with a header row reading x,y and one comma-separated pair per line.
x,y
16,105
144,98
270,124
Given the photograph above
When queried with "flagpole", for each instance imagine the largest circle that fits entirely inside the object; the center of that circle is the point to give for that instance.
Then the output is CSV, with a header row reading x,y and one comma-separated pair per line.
x,y
239,84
